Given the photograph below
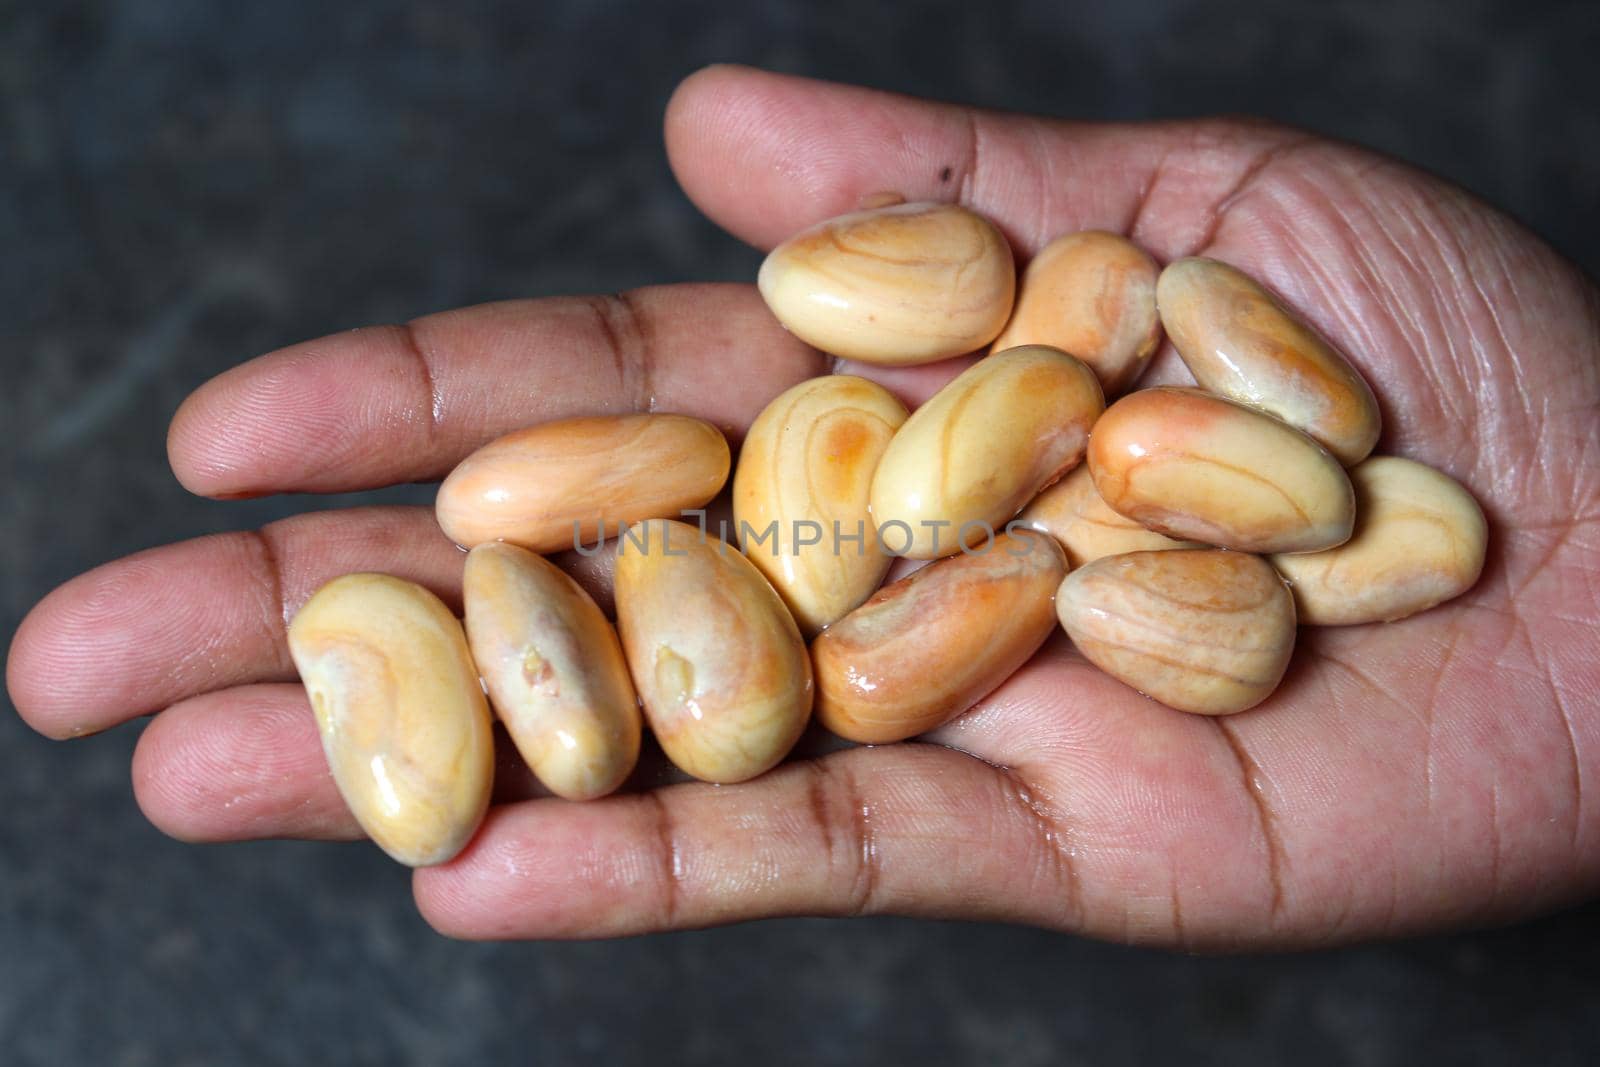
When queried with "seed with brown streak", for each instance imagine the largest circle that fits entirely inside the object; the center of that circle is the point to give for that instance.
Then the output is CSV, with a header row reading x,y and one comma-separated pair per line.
x,y
983,446
1072,512
715,656
1419,540
554,671
403,720
555,484
800,494
1242,342
909,283
928,647
1092,294
1202,630
1200,468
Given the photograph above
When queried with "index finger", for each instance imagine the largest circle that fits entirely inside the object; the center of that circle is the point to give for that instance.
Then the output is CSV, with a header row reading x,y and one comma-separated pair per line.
x,y
390,404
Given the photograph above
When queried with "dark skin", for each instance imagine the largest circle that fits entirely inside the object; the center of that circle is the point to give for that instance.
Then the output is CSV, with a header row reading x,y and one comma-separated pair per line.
x,y
1431,773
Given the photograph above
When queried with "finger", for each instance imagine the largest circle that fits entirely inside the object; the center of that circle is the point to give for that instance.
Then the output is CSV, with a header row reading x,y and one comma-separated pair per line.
x,y
140,633
1164,826
239,765
247,764
405,403
1383,259
912,829
766,154
1142,816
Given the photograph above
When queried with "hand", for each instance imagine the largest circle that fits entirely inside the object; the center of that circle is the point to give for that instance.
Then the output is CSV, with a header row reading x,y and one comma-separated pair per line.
x,y
1437,771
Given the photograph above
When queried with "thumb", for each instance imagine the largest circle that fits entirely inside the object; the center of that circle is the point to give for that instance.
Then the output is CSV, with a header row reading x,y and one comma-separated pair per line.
x,y
764,155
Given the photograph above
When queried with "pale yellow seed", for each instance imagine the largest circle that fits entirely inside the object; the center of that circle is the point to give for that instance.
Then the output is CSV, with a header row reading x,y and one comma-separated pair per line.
x,y
907,283
1072,512
1240,341
967,461
717,660
800,494
1092,294
1203,631
928,647
1419,540
554,671
1198,467
403,719
555,485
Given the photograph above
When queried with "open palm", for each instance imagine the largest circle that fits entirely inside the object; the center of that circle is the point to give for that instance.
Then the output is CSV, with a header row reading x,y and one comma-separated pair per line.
x,y
1445,769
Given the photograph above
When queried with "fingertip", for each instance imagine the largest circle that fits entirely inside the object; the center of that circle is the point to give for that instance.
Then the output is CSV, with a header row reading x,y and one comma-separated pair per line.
x,y
696,100
693,127
238,765
748,148
438,897
152,777
44,658
696,89
521,876
455,897
205,460
265,422
211,441
185,455
23,677
554,869
131,636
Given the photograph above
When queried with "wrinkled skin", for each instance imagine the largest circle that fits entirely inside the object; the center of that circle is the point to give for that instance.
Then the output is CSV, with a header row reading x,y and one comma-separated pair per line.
x,y
1431,773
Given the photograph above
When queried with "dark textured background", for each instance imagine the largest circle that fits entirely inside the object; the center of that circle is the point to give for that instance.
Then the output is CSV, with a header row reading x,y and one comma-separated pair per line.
x,y
184,185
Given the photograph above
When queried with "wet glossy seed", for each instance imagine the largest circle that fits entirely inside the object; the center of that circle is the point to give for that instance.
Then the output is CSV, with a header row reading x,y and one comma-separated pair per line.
x,y
800,494
1242,342
545,486
1419,540
554,671
1072,512
1203,631
909,283
967,461
1092,294
1197,467
403,719
716,658
928,647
